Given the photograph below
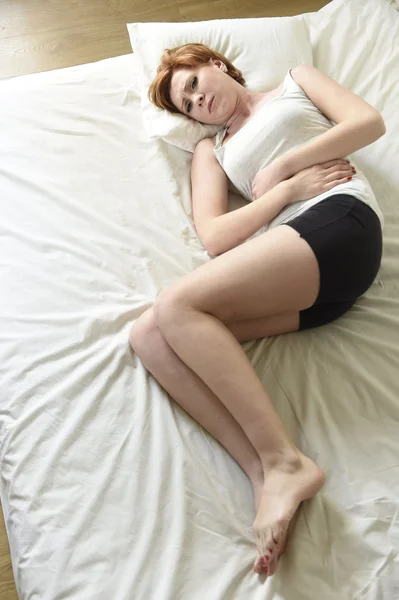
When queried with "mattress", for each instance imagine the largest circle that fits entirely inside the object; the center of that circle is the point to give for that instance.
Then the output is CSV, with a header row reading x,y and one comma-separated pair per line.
x,y
109,489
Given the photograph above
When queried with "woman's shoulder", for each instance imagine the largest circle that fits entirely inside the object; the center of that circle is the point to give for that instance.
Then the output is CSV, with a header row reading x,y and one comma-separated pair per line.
x,y
207,144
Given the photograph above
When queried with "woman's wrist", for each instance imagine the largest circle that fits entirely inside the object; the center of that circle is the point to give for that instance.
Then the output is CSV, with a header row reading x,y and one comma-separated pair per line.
x,y
286,190
275,200
284,166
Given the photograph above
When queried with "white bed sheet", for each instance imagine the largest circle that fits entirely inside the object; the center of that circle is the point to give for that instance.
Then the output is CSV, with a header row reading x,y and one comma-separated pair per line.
x,y
109,489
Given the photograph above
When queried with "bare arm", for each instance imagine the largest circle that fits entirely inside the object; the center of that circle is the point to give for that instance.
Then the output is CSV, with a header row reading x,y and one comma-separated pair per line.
x,y
340,141
358,124
234,228
218,229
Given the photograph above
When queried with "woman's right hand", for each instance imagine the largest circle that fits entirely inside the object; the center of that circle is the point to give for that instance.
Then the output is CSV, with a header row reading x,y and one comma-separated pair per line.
x,y
317,179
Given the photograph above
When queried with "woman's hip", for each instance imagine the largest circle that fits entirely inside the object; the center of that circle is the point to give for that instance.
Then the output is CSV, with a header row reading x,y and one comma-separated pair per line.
x,y
346,237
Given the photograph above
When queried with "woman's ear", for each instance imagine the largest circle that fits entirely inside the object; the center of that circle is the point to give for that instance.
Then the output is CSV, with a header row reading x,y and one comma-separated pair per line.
x,y
218,63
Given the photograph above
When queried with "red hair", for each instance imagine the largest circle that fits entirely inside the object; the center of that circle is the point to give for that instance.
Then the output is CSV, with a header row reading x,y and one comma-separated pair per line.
x,y
186,56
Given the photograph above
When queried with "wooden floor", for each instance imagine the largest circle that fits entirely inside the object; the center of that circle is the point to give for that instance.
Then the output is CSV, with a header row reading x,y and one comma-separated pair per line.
x,y
39,35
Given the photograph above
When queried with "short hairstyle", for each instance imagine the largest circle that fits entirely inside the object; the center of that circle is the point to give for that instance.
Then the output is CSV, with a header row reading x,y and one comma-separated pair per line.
x,y
186,56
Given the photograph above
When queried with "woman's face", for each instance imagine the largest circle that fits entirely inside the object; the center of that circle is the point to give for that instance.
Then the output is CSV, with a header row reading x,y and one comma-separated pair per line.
x,y
193,89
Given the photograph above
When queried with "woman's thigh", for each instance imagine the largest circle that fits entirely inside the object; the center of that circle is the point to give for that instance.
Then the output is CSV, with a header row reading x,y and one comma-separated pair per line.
x,y
274,273
145,329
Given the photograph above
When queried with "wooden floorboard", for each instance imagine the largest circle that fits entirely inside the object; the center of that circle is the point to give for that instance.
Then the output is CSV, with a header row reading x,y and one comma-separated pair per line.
x,y
40,35
235,9
7,587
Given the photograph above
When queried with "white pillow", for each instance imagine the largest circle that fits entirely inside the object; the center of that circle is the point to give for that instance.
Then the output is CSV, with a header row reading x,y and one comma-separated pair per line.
x,y
263,49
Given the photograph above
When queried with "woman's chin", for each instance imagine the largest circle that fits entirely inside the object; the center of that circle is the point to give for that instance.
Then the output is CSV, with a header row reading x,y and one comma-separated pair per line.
x,y
213,123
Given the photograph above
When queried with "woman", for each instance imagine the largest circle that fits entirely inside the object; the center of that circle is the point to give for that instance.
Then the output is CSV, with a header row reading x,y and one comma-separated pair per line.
x,y
322,250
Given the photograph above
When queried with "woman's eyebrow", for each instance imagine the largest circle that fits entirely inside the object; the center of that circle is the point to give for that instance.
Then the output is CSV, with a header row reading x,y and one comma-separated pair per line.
x,y
185,90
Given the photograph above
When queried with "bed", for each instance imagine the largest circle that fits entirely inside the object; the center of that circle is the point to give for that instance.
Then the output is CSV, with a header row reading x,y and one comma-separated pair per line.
x,y
109,489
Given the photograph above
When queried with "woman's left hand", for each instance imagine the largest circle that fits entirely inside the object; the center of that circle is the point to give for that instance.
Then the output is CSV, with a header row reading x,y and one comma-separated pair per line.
x,y
267,178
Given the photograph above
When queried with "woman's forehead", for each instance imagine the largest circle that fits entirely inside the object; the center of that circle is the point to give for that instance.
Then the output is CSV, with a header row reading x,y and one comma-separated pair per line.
x,y
179,83
180,75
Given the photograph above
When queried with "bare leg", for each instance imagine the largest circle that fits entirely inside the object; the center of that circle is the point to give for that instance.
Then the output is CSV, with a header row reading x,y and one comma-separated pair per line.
x,y
190,392
206,345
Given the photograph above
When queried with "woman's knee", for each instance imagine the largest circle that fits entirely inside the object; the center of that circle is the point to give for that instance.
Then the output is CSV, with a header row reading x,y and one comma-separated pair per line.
x,y
143,331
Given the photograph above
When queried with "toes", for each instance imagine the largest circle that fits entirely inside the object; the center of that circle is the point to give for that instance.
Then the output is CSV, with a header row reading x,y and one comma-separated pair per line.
x,y
277,548
269,557
258,565
263,555
275,555
271,542
273,565
269,551
262,564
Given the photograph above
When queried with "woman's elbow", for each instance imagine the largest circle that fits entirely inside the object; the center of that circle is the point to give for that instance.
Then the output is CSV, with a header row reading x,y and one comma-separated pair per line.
x,y
380,128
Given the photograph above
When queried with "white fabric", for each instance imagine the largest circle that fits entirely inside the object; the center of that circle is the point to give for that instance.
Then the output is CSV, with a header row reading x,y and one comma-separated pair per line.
x,y
287,121
109,489
262,49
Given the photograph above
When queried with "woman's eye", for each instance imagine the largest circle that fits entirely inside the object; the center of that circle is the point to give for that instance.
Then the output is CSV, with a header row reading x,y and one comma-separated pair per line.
x,y
195,79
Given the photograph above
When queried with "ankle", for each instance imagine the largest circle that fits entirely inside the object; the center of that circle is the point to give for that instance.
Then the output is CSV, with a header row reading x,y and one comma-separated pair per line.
x,y
255,474
288,459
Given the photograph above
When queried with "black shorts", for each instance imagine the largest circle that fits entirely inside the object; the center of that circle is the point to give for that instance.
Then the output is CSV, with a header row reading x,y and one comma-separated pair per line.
x,y
345,235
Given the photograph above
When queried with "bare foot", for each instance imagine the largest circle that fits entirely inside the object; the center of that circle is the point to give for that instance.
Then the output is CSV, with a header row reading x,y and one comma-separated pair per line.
x,y
284,488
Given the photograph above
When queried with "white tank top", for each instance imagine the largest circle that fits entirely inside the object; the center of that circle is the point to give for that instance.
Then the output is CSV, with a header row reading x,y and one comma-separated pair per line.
x,y
284,122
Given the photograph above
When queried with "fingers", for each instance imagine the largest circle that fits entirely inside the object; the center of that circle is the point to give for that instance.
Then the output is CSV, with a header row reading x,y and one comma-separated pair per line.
x,y
335,162
331,184
338,168
337,174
